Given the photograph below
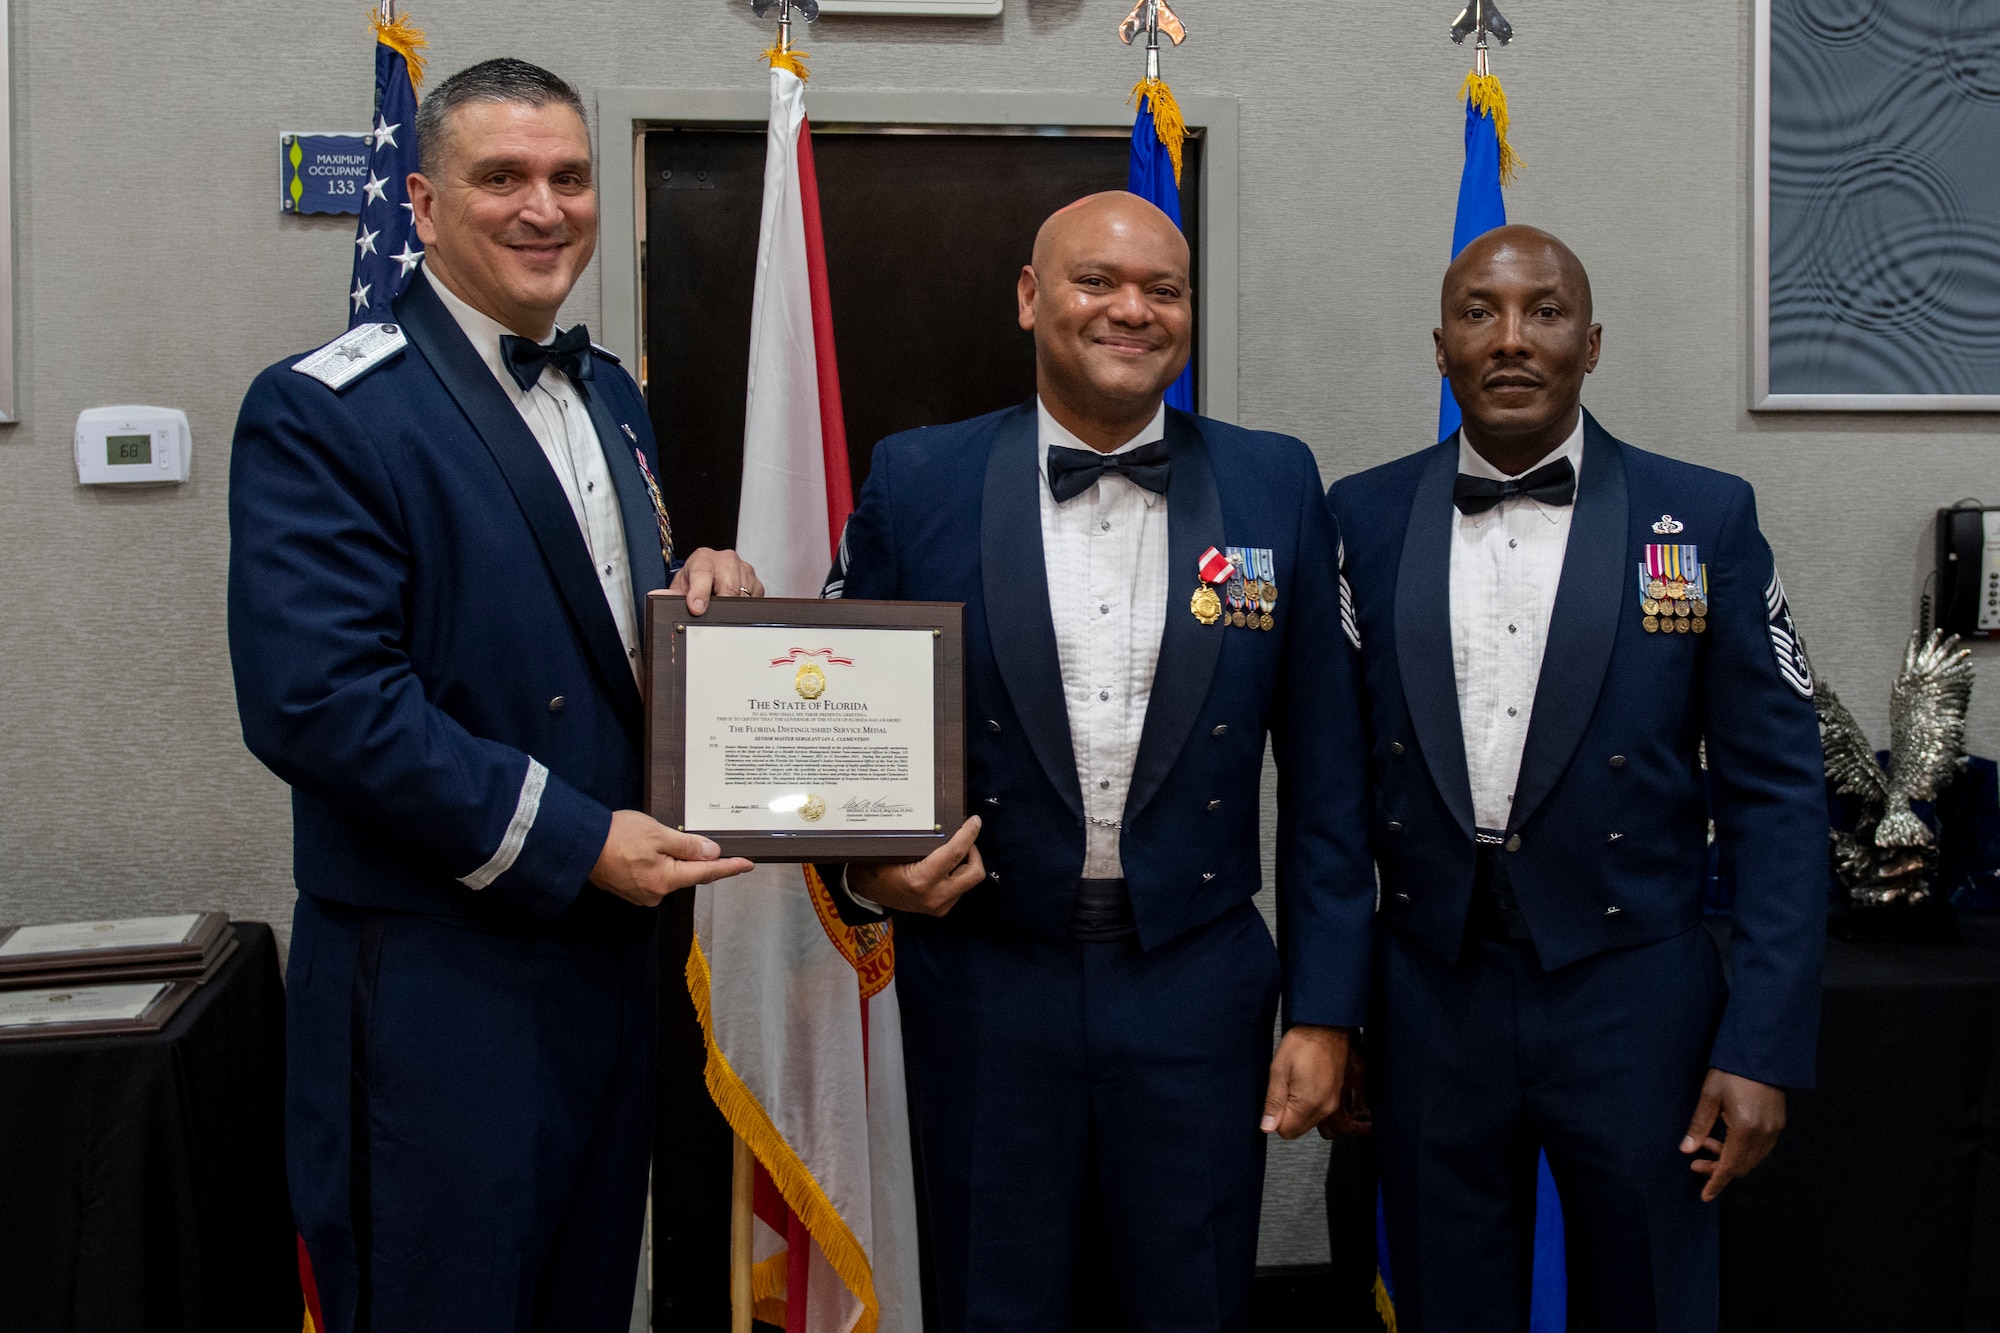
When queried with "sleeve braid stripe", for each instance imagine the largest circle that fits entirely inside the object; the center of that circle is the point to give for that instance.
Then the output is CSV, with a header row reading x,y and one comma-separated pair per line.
x,y
516,837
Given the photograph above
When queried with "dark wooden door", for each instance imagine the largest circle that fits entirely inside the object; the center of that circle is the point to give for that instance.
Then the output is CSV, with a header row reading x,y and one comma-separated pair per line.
x,y
926,234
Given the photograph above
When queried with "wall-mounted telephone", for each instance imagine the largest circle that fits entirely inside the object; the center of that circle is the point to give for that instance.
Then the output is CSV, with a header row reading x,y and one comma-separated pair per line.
x,y
1968,572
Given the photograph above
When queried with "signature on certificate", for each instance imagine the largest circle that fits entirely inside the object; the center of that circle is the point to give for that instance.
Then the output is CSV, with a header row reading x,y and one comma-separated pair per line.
x,y
858,807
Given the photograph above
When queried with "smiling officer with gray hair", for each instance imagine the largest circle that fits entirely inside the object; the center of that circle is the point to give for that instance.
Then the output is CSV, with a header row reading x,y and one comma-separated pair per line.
x,y
443,532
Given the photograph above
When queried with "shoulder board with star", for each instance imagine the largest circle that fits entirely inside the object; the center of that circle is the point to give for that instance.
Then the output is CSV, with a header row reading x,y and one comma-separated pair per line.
x,y
353,354
606,353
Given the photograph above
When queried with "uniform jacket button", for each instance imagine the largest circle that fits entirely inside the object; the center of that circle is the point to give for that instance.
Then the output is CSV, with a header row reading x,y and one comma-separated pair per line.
x,y
993,800
1395,747
1221,730
1613,911
1402,897
1207,875
1395,826
992,724
1614,837
1215,805
1513,842
1618,761
556,704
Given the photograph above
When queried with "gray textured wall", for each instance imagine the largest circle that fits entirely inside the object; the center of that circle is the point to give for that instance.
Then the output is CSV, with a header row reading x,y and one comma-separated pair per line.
x,y
154,267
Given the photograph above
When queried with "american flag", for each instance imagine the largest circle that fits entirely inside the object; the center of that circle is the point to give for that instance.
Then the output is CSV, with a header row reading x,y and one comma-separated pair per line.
x,y
385,240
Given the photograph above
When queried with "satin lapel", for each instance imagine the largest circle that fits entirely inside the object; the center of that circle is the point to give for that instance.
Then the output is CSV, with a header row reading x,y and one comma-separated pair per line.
x,y
540,496
1188,649
1423,633
1584,624
619,439
1014,578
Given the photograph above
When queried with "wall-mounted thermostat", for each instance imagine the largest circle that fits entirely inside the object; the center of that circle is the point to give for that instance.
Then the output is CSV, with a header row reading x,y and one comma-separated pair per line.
x,y
128,444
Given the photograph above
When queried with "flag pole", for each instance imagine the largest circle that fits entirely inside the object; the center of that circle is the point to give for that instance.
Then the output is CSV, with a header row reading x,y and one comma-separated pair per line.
x,y
742,1168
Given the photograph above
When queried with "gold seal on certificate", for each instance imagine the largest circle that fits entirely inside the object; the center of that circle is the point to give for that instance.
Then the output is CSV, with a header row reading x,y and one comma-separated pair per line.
x,y
806,730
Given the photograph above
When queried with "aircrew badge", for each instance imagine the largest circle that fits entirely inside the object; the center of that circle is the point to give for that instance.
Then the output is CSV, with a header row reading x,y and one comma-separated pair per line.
x,y
1213,568
1673,591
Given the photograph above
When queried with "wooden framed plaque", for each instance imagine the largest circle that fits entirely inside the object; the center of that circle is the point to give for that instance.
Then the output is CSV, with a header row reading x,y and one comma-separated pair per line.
x,y
137,945
792,729
90,1011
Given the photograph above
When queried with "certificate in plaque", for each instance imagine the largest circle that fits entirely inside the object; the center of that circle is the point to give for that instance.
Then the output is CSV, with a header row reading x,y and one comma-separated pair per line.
x,y
86,1011
802,730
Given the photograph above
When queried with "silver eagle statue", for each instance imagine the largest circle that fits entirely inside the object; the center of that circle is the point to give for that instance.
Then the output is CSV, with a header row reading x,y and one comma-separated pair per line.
x,y
1891,857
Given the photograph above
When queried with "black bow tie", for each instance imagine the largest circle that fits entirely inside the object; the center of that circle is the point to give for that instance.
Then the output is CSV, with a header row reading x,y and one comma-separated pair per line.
x,y
1074,471
1552,485
568,351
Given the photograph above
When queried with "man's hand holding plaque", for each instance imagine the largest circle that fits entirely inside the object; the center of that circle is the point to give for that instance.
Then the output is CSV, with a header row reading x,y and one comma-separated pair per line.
x,y
643,860
930,886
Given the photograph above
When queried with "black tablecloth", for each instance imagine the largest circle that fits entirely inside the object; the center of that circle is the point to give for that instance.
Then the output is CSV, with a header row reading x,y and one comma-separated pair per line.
x,y
144,1176
1880,1207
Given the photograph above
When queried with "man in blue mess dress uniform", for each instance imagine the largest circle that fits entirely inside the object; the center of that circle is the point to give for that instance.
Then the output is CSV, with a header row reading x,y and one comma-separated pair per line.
x,y
444,528
1089,992
1553,625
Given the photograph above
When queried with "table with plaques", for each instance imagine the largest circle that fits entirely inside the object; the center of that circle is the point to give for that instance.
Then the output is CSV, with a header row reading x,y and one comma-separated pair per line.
x,y
145,1173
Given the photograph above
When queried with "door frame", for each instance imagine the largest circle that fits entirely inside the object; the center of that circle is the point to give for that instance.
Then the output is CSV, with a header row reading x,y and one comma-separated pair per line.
x,y
624,114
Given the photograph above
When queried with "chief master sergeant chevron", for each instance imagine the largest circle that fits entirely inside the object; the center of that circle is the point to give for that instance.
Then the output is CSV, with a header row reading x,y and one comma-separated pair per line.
x,y
443,530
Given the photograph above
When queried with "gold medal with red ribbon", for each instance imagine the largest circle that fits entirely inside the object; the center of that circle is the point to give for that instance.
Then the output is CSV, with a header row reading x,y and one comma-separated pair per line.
x,y
1213,568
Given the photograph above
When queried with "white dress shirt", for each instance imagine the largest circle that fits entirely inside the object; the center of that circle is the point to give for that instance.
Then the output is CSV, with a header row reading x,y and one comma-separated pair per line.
x,y
1106,553
560,422
1505,565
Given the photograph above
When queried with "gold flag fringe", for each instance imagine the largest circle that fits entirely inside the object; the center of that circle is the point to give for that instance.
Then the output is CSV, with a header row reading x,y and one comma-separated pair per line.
x,y
1385,1309
1167,120
405,38
794,1179
767,1288
793,60
1486,95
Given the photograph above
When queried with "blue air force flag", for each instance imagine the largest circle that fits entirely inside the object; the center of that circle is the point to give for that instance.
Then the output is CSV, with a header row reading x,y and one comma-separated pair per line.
x,y
385,240
1480,210
1155,176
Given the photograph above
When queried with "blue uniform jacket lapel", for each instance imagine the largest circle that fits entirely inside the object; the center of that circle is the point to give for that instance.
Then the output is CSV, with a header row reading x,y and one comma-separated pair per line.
x,y
1423,633
507,437
635,501
1014,578
1584,624
1188,649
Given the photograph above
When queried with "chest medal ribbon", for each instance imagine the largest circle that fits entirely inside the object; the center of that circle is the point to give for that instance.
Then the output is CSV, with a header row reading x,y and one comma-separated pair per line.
x,y
1251,588
1673,590
1213,568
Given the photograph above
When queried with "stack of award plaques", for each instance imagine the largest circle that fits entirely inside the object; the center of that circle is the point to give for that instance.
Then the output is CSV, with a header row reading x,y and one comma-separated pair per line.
x,y
83,978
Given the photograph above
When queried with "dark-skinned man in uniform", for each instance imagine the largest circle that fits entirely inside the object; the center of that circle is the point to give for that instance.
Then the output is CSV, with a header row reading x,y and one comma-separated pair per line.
x,y
1553,622
1089,992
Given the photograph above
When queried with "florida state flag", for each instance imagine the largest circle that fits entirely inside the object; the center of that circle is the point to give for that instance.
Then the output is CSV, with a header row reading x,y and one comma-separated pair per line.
x,y
805,1044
